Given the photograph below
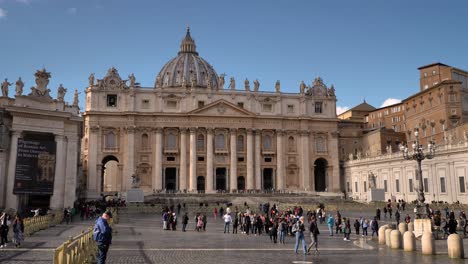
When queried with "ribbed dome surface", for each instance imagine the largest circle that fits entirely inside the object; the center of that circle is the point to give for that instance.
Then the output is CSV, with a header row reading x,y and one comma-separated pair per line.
x,y
187,69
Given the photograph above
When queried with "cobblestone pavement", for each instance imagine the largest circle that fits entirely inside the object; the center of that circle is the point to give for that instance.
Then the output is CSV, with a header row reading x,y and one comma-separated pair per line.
x,y
140,239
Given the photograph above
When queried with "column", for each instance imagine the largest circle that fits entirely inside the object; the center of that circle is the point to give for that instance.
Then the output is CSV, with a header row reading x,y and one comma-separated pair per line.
x,y
120,177
92,191
250,161
57,199
193,159
12,199
233,163
130,157
258,157
279,160
71,171
3,177
305,166
209,160
157,178
183,159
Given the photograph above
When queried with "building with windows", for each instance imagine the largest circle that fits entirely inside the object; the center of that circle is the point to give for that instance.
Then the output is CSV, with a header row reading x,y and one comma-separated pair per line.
x,y
188,133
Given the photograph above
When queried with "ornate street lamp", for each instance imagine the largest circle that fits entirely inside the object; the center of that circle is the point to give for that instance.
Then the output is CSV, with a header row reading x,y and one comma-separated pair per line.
x,y
418,154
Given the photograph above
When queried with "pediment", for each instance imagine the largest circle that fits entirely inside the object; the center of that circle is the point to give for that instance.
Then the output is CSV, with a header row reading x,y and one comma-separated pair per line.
x,y
221,108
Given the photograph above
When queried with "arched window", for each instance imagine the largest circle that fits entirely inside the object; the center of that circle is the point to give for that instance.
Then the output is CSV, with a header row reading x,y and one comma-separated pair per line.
x,y
144,141
110,140
267,142
291,144
200,142
240,143
171,141
220,141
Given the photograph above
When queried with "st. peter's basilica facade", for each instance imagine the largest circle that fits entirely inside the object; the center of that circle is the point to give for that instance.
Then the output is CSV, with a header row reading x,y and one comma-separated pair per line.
x,y
188,133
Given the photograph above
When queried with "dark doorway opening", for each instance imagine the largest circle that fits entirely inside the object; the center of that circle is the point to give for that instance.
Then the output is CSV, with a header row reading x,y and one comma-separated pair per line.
x,y
200,183
240,183
320,172
267,179
113,161
221,179
170,182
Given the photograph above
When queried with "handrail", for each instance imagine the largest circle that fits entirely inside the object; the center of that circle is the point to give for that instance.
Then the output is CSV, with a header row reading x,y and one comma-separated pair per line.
x,y
37,223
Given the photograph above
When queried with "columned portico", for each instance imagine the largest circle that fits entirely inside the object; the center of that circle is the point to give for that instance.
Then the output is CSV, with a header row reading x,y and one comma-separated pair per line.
x,y
280,173
193,159
158,159
233,163
258,159
183,159
11,199
209,160
250,161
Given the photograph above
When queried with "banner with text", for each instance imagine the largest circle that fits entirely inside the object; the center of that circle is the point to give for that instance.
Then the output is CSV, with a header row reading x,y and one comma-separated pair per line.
x,y
35,167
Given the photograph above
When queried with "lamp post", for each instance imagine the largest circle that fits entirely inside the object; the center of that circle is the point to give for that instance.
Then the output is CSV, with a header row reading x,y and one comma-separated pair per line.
x,y
418,154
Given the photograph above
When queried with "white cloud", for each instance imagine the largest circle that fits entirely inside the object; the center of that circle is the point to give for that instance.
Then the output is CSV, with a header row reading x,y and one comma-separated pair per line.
x,y
390,101
72,10
3,13
341,109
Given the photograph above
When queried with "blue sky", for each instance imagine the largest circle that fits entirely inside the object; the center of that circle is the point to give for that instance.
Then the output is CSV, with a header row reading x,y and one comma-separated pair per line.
x,y
368,49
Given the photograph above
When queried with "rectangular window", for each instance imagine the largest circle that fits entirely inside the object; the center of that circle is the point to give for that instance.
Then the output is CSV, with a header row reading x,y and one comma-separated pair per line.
x,y
318,107
240,104
171,104
397,185
410,184
145,104
112,100
442,184
170,158
385,185
365,186
267,107
290,108
426,185
267,159
201,104
461,181
355,187
240,159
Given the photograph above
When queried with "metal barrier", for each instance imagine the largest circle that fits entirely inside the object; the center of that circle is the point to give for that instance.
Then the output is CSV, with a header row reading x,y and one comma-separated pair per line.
x,y
81,248
37,223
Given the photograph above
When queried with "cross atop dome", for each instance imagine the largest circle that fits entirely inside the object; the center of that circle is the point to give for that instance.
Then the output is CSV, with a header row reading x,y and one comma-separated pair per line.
x,y
188,44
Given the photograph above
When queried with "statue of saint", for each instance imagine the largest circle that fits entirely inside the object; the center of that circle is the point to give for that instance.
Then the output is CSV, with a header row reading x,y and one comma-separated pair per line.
x,y
302,87
131,77
277,86
75,98
256,85
5,85
19,87
91,79
331,91
232,84
221,81
158,82
61,91
135,181
247,85
371,178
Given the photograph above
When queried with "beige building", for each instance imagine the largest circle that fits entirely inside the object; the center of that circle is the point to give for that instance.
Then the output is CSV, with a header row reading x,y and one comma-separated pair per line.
x,y
40,139
188,133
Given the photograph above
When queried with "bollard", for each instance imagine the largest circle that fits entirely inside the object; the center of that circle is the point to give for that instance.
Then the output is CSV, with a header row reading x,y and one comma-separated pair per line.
x,y
395,238
388,242
382,235
427,242
411,227
455,246
402,227
409,241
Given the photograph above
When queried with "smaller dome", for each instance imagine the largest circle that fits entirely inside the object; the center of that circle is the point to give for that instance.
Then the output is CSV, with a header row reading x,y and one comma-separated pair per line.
x,y
187,69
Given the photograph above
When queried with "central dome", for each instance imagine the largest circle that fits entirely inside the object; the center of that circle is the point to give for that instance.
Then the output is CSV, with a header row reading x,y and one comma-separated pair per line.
x,y
187,69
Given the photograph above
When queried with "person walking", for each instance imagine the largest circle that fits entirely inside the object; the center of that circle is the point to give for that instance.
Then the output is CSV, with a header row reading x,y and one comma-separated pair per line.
x,y
18,230
282,227
227,222
357,226
185,219
397,217
347,230
235,224
300,228
4,223
314,232
102,234
365,225
330,222
375,227
215,213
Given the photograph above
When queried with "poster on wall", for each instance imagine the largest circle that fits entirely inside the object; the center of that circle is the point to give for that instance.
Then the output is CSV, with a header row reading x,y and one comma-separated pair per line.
x,y
35,167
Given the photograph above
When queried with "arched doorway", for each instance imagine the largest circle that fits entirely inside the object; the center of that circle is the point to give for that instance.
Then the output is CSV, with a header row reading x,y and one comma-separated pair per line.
x,y
320,172
200,183
240,183
109,177
221,179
